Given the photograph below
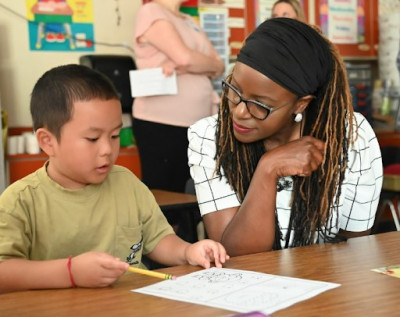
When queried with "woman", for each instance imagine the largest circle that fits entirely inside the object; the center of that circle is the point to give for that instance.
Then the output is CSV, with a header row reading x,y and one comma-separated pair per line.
x,y
288,9
286,162
166,38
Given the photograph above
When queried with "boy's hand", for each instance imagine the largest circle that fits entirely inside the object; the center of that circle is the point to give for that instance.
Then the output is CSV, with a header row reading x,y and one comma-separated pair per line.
x,y
96,269
204,252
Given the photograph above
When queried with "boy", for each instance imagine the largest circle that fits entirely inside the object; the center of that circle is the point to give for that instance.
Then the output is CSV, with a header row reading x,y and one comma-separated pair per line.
x,y
79,220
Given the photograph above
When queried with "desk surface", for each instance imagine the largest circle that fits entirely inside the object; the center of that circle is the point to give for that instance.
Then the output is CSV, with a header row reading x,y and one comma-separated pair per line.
x,y
362,293
166,198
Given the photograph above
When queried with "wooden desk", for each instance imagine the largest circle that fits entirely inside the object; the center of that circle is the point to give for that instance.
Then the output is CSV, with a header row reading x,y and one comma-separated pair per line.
x,y
169,199
181,211
362,293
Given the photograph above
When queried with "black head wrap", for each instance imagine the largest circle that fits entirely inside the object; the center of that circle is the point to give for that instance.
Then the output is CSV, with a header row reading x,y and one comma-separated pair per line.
x,y
289,52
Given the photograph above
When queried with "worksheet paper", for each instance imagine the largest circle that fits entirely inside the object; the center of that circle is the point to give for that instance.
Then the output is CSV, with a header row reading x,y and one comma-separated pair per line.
x,y
152,82
238,290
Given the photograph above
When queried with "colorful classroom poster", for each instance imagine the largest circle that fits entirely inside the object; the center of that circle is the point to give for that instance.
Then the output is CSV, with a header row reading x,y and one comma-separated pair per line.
x,y
343,21
60,25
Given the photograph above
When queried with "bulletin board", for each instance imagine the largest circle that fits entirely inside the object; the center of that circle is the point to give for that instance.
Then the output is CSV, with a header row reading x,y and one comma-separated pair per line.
x,y
343,21
352,25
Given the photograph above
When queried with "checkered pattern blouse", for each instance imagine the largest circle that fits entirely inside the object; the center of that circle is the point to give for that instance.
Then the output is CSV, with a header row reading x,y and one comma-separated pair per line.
x,y
360,190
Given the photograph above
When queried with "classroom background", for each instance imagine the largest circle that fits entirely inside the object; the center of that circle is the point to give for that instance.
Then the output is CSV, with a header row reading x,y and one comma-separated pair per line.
x,y
367,33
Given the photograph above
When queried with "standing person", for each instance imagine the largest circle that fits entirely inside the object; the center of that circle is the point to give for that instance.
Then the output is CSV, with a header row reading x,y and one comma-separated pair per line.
x,y
288,9
166,38
286,162
79,220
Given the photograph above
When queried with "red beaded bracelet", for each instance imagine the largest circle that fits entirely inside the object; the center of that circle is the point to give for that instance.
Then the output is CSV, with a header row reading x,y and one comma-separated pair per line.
x,y
71,278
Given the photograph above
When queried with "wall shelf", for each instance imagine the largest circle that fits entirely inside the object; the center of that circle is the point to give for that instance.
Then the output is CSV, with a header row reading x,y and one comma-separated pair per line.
x,y
20,165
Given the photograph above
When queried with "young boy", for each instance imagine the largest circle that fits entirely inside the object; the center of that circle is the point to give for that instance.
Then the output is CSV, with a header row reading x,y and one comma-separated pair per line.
x,y
79,220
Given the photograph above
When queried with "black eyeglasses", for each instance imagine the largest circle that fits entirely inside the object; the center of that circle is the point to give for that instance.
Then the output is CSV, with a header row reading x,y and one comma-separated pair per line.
x,y
257,109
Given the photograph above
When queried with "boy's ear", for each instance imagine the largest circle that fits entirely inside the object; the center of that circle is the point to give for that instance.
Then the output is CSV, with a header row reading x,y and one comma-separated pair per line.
x,y
46,140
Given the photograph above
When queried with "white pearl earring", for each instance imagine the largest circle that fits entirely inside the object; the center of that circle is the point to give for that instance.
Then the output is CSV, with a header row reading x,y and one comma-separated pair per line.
x,y
298,117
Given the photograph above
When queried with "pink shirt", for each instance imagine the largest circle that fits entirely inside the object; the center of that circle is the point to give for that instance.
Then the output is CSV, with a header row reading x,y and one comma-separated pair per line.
x,y
196,97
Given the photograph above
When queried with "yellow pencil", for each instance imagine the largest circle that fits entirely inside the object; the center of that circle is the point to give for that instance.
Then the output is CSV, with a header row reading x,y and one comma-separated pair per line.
x,y
152,273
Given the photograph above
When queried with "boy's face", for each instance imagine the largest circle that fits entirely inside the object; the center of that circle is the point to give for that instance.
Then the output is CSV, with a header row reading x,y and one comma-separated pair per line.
x,y
89,144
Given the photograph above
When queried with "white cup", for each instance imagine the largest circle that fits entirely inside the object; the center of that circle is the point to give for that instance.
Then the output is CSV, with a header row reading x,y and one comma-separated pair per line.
x,y
31,144
20,144
26,136
12,145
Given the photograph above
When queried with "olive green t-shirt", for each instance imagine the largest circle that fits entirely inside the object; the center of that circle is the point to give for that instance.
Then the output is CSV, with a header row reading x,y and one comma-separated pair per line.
x,y
40,220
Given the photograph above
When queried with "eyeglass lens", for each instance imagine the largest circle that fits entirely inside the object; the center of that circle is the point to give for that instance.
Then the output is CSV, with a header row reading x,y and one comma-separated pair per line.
x,y
254,109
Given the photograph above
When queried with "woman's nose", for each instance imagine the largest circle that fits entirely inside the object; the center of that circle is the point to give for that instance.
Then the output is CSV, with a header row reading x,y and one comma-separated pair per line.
x,y
241,110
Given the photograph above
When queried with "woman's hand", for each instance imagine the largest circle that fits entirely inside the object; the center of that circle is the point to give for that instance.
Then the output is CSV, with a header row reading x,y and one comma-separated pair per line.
x,y
168,68
300,157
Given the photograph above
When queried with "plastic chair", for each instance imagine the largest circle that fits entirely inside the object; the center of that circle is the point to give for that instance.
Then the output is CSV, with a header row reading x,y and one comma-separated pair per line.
x,y
390,194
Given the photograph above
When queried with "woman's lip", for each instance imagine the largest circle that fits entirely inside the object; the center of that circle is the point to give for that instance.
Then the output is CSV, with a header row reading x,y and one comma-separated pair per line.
x,y
240,128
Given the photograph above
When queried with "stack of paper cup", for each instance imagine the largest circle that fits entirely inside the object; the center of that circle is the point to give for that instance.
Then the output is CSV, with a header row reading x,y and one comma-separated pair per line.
x,y
20,144
31,143
25,143
12,145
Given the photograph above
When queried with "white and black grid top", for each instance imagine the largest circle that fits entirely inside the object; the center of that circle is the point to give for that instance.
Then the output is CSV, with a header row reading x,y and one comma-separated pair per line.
x,y
360,190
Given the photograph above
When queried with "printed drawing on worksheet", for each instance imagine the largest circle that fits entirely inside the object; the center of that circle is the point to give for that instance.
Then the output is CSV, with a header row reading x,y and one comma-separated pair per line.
x,y
238,290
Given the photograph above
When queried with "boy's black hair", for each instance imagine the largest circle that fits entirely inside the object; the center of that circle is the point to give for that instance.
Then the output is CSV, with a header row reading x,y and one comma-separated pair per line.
x,y
54,94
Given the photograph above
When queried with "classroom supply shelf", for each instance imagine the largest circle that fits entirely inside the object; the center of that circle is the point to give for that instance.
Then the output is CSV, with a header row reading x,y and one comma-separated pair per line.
x,y
20,165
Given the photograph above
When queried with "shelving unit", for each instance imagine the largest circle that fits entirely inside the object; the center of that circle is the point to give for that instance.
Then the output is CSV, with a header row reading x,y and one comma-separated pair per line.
x,y
20,165
215,25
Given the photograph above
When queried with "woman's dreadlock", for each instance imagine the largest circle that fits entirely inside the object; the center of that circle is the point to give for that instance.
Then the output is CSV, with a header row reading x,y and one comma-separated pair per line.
x,y
326,119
